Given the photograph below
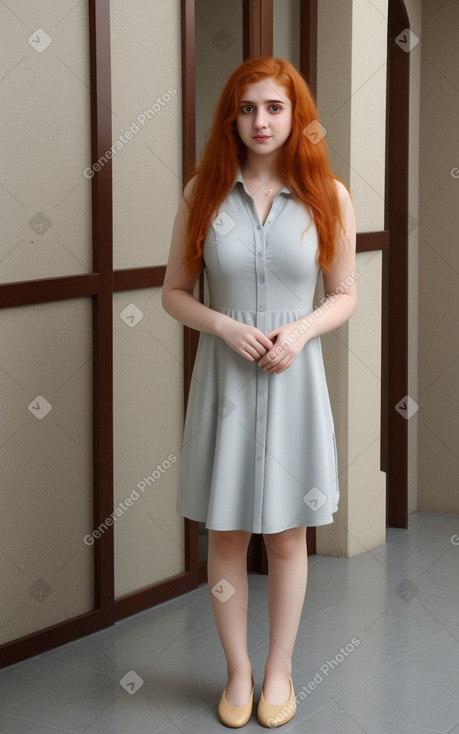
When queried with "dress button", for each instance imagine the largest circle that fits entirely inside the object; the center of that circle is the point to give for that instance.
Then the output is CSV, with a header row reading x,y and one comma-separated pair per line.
x,y
261,308
261,394
259,458
260,254
258,226
262,280
260,418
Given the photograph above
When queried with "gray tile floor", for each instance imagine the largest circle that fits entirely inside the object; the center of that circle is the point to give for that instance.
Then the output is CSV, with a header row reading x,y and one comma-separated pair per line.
x,y
377,652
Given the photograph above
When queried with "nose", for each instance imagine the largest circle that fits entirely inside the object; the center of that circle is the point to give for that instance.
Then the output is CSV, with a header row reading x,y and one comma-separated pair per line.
x,y
260,118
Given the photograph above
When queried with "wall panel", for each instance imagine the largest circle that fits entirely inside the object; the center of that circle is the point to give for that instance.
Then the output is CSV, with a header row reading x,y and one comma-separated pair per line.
x,y
147,129
148,399
368,113
46,459
286,31
44,117
218,53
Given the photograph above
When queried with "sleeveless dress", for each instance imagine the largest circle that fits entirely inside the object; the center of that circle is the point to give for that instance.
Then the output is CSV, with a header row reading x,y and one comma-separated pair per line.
x,y
259,450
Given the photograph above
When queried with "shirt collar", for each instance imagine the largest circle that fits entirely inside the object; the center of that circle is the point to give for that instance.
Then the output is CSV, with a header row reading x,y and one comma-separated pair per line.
x,y
239,179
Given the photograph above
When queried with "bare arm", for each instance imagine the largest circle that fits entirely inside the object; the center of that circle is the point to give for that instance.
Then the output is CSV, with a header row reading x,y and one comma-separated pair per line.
x,y
178,299
340,283
335,309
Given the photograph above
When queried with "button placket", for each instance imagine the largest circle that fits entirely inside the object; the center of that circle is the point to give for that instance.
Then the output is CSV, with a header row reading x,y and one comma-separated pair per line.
x,y
260,417
262,376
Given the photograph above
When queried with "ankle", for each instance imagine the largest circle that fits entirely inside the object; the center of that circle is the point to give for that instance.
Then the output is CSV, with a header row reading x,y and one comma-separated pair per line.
x,y
239,686
240,673
278,671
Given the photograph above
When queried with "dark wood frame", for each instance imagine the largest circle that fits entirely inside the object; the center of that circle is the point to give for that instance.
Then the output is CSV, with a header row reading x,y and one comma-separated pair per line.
x,y
394,428
308,45
257,32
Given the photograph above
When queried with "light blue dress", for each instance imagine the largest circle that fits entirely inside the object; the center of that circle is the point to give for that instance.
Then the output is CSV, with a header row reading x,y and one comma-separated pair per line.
x,y
259,450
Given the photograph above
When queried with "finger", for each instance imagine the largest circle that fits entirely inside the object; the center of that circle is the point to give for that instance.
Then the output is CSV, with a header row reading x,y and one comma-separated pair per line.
x,y
273,333
257,350
269,358
269,363
275,355
262,347
262,344
264,360
276,368
279,364
265,341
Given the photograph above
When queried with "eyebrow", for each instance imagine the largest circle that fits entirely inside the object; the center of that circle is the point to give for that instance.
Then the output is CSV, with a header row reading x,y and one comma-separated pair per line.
x,y
266,101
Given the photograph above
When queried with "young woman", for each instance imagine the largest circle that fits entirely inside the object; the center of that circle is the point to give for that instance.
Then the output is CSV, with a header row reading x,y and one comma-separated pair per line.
x,y
263,214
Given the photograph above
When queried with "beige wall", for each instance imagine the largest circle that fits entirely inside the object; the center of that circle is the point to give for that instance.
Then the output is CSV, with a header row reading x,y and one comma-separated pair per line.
x,y
147,171
44,117
218,52
148,406
46,467
148,355
439,260
286,35
45,350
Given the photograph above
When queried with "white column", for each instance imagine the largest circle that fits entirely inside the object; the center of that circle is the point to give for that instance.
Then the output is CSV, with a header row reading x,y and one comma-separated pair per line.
x,y
352,105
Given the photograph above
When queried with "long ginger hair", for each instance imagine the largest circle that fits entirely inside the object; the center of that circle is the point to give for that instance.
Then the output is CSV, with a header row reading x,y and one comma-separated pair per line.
x,y
303,165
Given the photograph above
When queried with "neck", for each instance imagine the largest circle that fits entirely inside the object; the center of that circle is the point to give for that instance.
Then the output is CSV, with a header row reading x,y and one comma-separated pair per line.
x,y
261,167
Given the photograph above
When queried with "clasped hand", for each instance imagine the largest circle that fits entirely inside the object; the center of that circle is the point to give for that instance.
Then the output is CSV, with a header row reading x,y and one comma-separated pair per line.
x,y
274,351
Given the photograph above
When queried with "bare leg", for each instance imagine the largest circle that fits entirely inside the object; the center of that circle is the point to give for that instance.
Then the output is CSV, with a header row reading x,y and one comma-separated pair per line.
x,y
287,577
227,570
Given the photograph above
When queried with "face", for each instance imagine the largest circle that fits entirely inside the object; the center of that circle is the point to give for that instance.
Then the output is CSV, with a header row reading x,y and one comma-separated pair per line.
x,y
264,120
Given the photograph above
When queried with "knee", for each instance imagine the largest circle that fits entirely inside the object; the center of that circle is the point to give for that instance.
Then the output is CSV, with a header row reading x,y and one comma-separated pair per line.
x,y
228,544
287,544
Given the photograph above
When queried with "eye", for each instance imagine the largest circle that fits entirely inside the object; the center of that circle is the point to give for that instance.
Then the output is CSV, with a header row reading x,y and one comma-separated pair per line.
x,y
276,108
246,108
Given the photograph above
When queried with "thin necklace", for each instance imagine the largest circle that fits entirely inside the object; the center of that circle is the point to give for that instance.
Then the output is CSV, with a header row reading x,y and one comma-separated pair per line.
x,y
267,192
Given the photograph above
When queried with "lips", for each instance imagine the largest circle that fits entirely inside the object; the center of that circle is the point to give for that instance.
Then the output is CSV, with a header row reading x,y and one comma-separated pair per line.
x,y
261,137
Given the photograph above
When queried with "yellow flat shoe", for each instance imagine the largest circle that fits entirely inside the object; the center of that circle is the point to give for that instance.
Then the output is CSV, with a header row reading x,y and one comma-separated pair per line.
x,y
272,716
235,716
